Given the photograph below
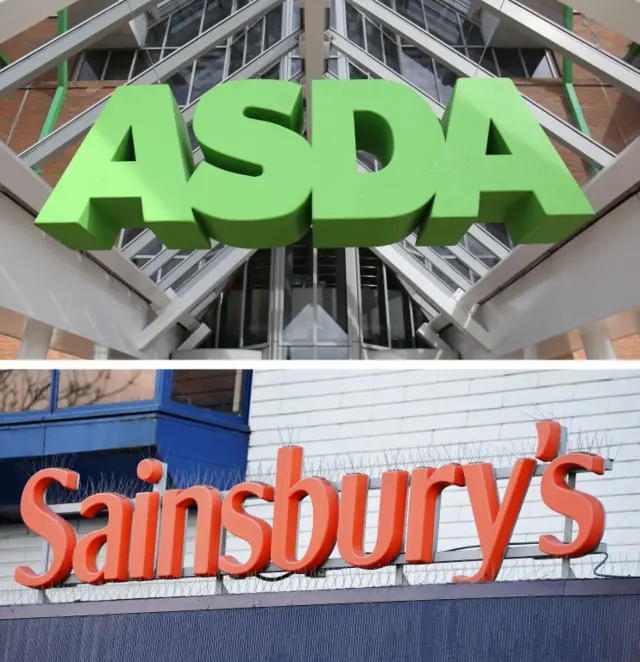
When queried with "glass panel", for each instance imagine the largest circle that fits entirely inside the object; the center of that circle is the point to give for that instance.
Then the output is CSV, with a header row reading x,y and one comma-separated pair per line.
x,y
236,54
537,63
24,390
391,53
488,62
510,63
155,34
179,84
209,72
479,251
411,9
254,41
93,65
129,235
231,311
332,353
217,10
119,65
298,294
273,73
472,33
80,388
374,320
256,310
498,231
355,31
417,68
356,73
446,81
399,313
273,26
185,24
442,22
331,317
374,40
216,390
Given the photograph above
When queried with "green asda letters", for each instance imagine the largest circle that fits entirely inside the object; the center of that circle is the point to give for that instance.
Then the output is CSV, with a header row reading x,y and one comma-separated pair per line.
x,y
262,184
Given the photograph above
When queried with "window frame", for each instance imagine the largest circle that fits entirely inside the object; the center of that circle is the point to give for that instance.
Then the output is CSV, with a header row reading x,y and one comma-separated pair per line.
x,y
160,403
237,421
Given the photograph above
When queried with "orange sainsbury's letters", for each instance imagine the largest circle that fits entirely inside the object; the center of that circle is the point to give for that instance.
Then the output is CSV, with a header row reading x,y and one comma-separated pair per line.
x,y
137,530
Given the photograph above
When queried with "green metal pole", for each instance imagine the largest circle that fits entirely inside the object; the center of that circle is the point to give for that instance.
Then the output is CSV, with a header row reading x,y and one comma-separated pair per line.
x,y
569,91
4,58
63,84
632,53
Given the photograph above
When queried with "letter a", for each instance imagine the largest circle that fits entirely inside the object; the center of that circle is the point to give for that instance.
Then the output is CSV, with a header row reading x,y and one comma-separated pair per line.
x,y
500,167
131,171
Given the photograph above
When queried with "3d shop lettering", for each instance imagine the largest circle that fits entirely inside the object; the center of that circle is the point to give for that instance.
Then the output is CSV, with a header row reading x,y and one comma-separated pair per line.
x,y
131,541
261,184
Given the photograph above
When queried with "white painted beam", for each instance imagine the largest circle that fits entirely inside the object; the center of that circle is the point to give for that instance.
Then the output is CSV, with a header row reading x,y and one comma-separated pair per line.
x,y
55,286
597,343
591,278
36,340
19,15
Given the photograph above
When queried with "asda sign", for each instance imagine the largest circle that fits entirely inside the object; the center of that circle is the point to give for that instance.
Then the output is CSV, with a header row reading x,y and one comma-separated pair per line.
x,y
262,184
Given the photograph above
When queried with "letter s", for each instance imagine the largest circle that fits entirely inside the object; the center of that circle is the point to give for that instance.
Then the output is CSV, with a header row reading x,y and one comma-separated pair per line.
x,y
42,521
585,509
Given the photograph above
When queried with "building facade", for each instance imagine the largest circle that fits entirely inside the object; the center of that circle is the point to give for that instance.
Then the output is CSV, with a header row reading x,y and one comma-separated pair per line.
x,y
299,302
350,422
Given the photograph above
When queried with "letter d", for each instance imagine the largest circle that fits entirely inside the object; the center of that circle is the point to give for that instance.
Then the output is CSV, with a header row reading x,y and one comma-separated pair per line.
x,y
290,490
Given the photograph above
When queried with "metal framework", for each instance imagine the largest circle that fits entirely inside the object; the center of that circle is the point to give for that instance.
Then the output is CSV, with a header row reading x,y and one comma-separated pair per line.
x,y
481,298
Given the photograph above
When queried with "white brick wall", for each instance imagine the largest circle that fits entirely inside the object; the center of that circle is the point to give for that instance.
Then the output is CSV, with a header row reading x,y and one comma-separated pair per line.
x,y
375,420
379,419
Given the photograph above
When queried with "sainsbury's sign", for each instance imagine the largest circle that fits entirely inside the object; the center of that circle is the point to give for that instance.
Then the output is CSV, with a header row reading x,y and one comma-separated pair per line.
x,y
133,539
261,183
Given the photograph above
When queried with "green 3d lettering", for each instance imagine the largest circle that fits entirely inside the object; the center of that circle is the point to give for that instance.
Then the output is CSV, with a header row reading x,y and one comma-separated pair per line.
x,y
261,184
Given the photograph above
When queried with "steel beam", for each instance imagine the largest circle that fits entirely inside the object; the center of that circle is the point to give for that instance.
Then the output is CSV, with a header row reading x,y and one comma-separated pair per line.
x,y
42,59
587,148
55,286
555,37
229,262
79,125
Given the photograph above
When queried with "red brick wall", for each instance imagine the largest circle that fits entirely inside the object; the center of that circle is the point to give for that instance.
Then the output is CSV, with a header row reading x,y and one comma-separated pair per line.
x,y
613,117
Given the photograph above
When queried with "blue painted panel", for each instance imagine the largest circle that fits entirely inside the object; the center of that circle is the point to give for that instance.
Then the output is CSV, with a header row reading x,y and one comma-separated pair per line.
x,y
105,450
100,434
22,441
99,472
198,452
506,629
